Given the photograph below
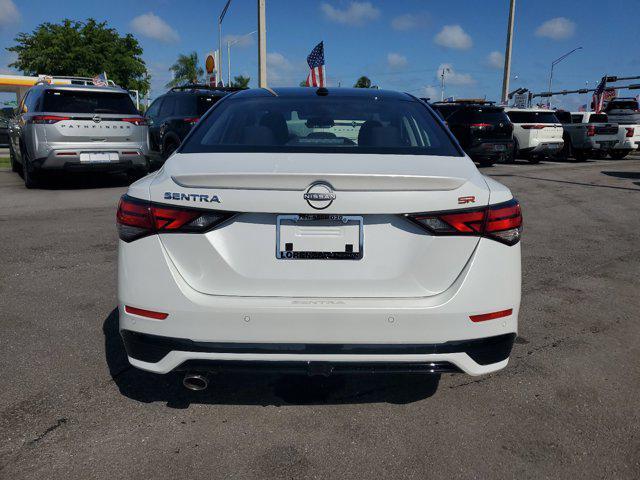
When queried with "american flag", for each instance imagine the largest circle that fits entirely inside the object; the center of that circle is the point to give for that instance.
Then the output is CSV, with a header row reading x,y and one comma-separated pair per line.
x,y
100,80
598,95
317,76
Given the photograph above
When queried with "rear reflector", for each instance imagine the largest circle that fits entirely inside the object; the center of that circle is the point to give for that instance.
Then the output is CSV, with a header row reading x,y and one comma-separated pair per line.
x,y
145,313
491,316
138,218
136,121
501,222
630,131
591,131
131,153
65,154
191,120
535,127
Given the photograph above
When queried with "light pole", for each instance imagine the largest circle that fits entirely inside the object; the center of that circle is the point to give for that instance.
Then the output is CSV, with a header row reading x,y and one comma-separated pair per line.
x,y
553,64
229,45
220,18
262,45
507,54
445,70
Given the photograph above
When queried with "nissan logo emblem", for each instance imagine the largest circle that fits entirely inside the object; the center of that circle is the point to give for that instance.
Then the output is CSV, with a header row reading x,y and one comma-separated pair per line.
x,y
319,195
97,118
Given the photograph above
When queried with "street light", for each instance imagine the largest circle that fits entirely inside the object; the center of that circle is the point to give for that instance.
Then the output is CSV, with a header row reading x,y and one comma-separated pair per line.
x,y
553,64
229,45
220,18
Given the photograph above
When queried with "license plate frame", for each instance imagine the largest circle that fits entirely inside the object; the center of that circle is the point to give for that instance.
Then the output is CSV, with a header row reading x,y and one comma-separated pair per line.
x,y
306,220
499,147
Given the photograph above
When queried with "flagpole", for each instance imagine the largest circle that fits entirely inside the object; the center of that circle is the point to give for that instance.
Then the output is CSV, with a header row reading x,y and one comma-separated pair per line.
x,y
262,45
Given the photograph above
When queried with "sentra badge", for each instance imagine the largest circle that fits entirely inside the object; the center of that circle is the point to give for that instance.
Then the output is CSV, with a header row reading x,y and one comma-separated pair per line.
x,y
191,197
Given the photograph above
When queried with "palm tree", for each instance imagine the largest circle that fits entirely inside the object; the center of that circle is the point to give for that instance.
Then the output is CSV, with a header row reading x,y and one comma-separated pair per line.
x,y
240,81
363,82
187,69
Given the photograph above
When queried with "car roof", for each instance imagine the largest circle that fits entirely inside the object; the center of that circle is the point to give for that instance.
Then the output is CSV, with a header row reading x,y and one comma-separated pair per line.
x,y
534,110
84,88
290,92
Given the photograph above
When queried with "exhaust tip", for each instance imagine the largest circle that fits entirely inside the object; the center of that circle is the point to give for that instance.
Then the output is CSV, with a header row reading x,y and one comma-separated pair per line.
x,y
195,382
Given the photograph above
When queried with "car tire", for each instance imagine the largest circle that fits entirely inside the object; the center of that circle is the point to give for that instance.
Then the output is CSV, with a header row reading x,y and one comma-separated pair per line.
x,y
618,154
581,155
29,174
514,154
567,150
486,163
15,166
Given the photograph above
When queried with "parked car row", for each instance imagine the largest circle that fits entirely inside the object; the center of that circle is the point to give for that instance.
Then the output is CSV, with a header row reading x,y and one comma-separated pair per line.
x,y
490,133
89,128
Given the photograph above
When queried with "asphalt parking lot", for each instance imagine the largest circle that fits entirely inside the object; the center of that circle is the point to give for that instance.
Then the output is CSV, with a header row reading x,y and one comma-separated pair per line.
x,y
566,406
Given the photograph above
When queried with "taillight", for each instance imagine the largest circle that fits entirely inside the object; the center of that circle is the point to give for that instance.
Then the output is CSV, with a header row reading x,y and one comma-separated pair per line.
x,y
630,131
591,131
501,222
138,218
46,119
480,125
533,127
192,120
140,121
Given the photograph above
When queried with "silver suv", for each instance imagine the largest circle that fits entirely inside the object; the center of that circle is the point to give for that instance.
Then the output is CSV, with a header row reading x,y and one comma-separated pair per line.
x,y
78,128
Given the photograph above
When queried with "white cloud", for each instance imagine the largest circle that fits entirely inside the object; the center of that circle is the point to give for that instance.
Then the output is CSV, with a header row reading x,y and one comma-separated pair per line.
x,y
9,13
242,40
152,26
452,77
281,71
495,59
429,91
453,36
358,13
557,28
395,60
409,21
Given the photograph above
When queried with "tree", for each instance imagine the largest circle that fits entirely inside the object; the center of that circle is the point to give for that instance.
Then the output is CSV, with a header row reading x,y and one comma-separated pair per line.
x,y
187,69
83,49
363,82
241,81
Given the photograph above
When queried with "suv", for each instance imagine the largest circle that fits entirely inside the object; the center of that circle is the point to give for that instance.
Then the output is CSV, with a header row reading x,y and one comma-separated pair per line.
x,y
172,115
77,128
623,111
537,133
482,129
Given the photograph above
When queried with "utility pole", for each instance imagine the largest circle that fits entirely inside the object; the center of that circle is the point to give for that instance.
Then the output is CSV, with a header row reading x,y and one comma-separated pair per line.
x,y
507,53
220,18
262,45
553,64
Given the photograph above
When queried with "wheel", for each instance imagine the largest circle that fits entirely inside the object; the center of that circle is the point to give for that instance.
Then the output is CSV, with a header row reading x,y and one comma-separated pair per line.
x,y
29,175
567,150
516,148
581,155
533,159
486,163
15,166
618,154
170,147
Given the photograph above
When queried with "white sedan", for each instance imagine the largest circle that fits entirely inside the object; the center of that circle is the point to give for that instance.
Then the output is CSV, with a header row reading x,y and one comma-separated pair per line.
x,y
323,230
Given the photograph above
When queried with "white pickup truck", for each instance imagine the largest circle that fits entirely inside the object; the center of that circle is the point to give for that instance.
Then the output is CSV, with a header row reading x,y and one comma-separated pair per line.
x,y
586,135
628,141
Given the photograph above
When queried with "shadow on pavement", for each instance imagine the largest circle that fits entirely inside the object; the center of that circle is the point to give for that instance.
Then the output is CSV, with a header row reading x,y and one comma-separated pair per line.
x,y
624,175
80,181
260,389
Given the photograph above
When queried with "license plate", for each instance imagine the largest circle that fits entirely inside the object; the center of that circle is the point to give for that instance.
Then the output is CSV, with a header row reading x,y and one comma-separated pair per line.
x,y
319,237
607,144
499,148
99,157
553,146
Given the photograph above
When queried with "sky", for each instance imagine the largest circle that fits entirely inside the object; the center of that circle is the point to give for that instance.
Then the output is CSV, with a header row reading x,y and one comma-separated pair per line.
x,y
399,44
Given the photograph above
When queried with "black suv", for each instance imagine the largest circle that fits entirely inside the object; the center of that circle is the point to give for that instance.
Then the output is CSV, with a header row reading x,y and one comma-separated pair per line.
x,y
172,115
482,129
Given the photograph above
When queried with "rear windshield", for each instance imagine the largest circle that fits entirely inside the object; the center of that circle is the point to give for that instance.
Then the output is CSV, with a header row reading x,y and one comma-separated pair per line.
x,y
321,124
77,101
445,111
565,117
622,105
479,115
598,118
533,117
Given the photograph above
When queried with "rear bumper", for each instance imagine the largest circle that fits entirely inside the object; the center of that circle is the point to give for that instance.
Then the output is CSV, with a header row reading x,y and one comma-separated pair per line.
x,y
390,333
130,158
487,149
544,148
184,354
627,144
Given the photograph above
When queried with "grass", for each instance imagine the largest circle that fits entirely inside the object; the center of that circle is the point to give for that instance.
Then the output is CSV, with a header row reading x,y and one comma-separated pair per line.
x,y
4,162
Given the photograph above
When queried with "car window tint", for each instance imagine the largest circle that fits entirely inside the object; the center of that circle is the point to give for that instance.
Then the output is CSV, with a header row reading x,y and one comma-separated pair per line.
x,y
78,101
622,105
576,118
321,124
532,117
564,117
154,109
205,102
168,107
184,106
479,115
598,118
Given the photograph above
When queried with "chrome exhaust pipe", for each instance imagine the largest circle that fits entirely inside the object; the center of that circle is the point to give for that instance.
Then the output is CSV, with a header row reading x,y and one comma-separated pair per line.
x,y
195,381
